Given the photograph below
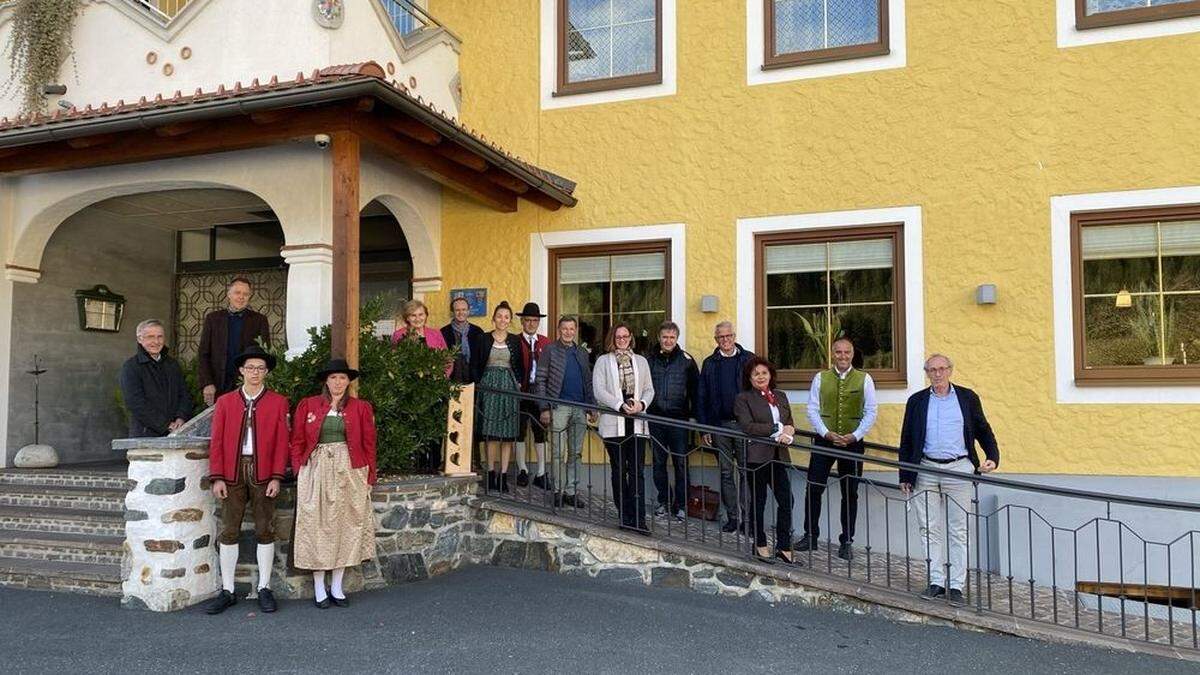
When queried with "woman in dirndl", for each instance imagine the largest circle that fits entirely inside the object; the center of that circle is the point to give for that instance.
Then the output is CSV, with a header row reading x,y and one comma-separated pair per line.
x,y
496,363
333,457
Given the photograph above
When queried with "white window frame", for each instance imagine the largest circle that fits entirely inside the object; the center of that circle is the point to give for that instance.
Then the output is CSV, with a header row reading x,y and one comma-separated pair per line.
x,y
1061,208
914,291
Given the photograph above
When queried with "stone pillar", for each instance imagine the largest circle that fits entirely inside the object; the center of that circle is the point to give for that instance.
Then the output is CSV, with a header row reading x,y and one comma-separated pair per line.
x,y
309,291
12,274
170,558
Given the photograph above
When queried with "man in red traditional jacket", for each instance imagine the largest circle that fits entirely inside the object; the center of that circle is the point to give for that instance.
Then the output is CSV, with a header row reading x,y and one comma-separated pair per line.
x,y
532,344
247,456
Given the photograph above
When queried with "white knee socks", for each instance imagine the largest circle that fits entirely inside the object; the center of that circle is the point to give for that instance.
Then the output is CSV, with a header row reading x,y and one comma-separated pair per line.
x,y
266,560
319,585
229,557
521,466
541,453
335,588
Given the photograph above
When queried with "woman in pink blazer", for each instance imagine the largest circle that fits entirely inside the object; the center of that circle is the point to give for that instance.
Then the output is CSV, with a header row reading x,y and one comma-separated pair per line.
x,y
415,315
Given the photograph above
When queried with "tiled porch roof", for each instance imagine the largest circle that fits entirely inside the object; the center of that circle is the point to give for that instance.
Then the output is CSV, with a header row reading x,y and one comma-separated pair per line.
x,y
368,71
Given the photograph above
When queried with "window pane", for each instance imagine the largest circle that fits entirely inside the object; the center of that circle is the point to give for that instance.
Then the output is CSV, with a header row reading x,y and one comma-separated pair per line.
x,y
592,328
634,50
643,326
584,270
610,39
1119,257
633,10
638,296
862,271
193,245
1183,329
249,241
791,344
1101,6
639,266
795,274
588,53
871,330
583,299
1181,256
583,14
1120,336
807,25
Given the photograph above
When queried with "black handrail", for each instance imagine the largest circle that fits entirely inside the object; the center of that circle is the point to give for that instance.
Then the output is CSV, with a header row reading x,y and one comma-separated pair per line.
x,y
983,479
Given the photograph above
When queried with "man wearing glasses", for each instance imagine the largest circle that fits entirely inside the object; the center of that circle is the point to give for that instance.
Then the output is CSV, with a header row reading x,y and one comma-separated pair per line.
x,y
720,382
941,425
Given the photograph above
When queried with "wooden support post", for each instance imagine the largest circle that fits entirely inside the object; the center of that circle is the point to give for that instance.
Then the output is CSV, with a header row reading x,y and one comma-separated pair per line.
x,y
345,149
460,421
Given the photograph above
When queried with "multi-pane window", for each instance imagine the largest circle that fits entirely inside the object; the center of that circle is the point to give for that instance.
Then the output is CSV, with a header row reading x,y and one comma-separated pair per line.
x,y
1100,13
1137,295
812,31
815,287
608,44
602,286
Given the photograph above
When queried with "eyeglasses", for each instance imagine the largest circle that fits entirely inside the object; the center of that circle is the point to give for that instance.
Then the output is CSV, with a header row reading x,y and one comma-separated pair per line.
x,y
623,337
255,369
728,336
939,369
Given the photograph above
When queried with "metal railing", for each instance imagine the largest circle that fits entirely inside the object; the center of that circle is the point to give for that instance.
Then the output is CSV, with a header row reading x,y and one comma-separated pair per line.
x,y
1121,566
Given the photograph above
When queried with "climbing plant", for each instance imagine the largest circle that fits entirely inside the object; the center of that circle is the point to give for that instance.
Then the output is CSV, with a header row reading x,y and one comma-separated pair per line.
x,y
39,43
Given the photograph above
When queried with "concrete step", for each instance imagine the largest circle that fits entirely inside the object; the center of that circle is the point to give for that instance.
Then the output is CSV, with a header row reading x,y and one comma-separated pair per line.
x,y
59,547
69,577
108,500
63,521
67,478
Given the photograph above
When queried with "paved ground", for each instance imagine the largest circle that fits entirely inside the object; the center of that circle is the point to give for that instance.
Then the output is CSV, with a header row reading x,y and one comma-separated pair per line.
x,y
491,620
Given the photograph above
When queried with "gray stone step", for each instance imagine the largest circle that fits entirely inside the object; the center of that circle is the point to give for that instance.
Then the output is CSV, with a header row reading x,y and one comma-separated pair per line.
x,y
109,500
63,521
60,478
59,547
70,577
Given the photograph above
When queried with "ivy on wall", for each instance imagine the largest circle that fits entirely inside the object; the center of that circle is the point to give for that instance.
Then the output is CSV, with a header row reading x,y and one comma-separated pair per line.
x,y
39,43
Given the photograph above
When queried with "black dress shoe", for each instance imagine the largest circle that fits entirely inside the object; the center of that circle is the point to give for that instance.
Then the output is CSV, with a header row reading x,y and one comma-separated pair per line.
x,y
266,600
956,598
767,559
222,602
730,526
340,602
788,557
933,592
574,500
493,483
845,552
806,543
322,604
504,482
523,478
539,482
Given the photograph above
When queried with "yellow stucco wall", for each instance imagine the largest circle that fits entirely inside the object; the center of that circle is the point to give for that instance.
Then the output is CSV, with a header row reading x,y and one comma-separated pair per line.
x,y
988,120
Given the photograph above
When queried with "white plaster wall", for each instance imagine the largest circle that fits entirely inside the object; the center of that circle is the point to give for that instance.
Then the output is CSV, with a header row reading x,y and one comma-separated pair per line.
x,y
230,40
415,201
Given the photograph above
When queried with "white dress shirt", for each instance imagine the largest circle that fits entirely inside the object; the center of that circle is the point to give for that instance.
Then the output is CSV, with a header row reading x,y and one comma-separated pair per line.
x,y
870,406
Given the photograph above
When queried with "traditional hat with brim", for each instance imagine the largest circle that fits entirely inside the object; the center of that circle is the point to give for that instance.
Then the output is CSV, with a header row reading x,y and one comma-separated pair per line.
x,y
531,309
337,366
254,352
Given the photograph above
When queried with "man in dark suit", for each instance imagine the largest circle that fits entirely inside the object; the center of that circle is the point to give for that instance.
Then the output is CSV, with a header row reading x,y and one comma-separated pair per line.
x,y
228,332
941,427
461,333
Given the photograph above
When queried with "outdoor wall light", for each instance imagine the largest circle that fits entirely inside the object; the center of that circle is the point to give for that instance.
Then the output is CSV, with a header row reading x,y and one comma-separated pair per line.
x,y
986,294
100,309
1124,299
708,304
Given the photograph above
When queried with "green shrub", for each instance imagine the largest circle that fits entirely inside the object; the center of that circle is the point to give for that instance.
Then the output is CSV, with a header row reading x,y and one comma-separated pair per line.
x,y
406,383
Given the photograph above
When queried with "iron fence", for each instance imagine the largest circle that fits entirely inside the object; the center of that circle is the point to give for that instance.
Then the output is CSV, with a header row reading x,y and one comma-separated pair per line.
x,y
1123,566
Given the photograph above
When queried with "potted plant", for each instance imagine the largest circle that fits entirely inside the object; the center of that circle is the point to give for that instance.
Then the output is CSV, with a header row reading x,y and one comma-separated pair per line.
x,y
1144,326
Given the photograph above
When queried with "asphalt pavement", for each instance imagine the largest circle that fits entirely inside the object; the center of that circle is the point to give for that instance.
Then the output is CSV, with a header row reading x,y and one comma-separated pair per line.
x,y
493,620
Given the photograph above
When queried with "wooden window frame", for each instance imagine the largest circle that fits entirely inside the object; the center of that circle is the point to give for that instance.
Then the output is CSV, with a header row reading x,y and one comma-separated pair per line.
x,y
772,60
566,88
1120,375
1084,21
891,378
592,250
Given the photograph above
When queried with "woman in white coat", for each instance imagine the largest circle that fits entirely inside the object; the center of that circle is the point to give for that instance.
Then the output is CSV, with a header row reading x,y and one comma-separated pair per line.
x,y
621,382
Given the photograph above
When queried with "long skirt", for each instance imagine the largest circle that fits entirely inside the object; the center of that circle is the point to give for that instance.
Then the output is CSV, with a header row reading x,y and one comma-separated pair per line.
x,y
500,420
335,521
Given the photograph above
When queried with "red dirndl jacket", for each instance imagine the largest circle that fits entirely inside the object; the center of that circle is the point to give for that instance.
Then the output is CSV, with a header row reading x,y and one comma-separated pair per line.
x,y
270,437
360,432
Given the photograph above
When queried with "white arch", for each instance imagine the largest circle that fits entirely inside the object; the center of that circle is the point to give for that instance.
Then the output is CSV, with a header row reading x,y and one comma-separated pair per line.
x,y
416,203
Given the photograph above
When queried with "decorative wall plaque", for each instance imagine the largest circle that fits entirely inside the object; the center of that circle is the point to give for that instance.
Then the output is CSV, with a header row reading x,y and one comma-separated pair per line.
x,y
329,13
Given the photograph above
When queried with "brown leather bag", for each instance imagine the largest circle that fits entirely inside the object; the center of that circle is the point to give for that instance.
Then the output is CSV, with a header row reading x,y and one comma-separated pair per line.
x,y
703,502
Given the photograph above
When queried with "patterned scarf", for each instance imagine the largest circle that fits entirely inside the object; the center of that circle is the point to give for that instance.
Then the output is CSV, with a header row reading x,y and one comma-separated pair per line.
x,y
769,395
625,370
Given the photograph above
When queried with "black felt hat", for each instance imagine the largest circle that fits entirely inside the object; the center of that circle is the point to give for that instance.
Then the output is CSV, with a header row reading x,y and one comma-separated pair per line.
x,y
531,309
254,352
337,366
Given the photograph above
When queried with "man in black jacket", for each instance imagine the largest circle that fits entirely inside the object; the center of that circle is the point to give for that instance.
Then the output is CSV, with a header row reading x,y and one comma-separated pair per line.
x,y
152,385
720,382
461,333
674,374
941,426
227,332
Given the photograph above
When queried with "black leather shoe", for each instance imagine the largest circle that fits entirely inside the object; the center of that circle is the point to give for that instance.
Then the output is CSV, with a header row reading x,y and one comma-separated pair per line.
x,y
540,482
504,482
730,526
523,478
493,484
574,500
322,604
806,543
933,592
266,600
222,602
844,551
956,598
788,557
340,602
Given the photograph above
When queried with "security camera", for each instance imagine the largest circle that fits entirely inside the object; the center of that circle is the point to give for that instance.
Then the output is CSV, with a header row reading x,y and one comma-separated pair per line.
x,y
322,141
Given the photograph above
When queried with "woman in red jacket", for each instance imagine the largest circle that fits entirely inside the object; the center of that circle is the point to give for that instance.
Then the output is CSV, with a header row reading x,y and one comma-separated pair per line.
x,y
333,456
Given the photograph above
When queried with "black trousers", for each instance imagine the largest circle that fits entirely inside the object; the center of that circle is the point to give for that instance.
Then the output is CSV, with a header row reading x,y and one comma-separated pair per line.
x,y
626,455
773,475
849,472
530,418
670,446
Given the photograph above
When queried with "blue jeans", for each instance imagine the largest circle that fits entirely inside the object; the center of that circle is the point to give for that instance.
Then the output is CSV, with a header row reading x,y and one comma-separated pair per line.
x,y
670,444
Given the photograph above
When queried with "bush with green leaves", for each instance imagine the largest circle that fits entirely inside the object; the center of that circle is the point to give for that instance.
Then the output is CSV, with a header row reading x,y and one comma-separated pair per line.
x,y
406,383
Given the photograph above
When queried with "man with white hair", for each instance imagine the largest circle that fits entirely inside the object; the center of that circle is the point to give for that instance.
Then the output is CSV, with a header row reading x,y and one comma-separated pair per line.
x,y
721,380
941,426
152,385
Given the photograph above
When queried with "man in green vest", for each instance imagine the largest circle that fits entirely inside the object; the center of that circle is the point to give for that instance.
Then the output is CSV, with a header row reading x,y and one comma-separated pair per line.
x,y
841,409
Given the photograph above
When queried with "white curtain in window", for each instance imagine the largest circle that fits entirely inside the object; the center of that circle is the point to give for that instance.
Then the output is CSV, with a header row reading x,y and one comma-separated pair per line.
x,y
1119,241
602,269
1181,239
843,255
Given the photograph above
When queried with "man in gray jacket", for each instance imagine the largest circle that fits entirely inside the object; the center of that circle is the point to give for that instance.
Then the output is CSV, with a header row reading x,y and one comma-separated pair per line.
x,y
563,372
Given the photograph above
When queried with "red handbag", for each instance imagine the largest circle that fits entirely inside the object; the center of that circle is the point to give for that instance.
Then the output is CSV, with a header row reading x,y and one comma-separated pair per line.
x,y
703,502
